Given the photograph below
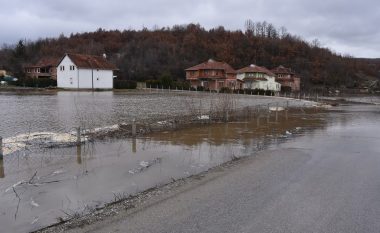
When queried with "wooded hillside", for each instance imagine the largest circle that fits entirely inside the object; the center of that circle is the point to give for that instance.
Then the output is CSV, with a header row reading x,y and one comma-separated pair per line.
x,y
149,54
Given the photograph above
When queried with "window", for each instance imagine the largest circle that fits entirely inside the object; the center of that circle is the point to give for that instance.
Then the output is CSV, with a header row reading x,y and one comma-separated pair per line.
x,y
72,67
62,68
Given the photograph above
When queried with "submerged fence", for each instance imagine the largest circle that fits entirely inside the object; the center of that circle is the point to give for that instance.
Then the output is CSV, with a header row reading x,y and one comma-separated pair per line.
x,y
196,109
43,145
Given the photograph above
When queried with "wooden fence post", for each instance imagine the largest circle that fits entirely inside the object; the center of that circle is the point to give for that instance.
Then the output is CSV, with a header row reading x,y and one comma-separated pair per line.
x,y
134,127
277,112
2,173
1,147
78,136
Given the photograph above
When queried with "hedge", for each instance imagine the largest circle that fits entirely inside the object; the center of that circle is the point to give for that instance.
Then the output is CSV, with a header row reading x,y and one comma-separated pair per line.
x,y
37,82
124,84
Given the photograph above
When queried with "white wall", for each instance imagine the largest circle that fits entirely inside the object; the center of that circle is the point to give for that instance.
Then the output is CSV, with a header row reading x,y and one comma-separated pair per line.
x,y
67,78
240,76
269,84
83,78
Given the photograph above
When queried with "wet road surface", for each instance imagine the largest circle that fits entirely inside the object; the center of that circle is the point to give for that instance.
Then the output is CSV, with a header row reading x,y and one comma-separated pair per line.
x,y
327,181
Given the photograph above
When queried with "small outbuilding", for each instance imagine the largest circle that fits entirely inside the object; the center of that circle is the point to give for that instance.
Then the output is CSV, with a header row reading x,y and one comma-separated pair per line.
x,y
79,71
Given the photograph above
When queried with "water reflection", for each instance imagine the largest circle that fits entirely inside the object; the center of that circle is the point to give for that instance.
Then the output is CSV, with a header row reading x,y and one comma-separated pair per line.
x,y
90,174
79,154
134,147
2,173
61,111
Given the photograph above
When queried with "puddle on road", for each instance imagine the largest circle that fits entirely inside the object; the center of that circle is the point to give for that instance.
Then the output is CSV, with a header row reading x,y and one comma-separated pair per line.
x,y
78,179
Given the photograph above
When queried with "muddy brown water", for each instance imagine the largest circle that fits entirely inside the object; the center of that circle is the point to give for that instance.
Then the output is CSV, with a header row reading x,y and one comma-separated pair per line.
x,y
39,187
63,111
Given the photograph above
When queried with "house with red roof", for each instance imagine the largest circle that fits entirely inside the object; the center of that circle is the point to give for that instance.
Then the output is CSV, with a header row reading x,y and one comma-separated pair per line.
x,y
212,75
79,71
257,77
288,79
44,68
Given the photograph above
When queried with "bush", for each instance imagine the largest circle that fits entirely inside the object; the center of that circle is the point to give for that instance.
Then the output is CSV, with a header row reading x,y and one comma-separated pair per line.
x,y
269,92
248,91
180,85
166,80
200,88
37,82
153,83
225,90
124,84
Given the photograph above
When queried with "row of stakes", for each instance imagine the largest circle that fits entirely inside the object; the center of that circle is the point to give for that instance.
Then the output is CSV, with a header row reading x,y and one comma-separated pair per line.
x,y
134,131
79,141
308,96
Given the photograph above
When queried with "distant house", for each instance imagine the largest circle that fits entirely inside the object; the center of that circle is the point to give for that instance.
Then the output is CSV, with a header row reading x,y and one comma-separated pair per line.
x,y
288,79
256,77
78,71
45,68
212,75
3,73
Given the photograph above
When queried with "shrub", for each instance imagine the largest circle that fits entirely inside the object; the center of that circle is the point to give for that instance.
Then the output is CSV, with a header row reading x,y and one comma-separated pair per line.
x,y
225,90
37,82
124,84
200,88
153,83
248,91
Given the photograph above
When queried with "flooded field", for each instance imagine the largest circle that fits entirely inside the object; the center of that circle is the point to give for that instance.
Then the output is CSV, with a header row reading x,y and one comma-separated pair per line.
x,y
41,187
365,99
63,111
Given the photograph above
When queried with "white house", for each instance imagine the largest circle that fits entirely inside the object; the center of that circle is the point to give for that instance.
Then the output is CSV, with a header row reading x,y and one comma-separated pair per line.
x,y
78,71
256,77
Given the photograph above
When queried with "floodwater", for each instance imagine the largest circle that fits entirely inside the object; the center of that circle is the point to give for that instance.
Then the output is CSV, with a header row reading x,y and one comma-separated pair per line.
x,y
62,111
39,187
78,179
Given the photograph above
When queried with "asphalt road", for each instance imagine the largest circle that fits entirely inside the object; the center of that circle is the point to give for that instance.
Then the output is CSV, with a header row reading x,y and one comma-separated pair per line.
x,y
328,181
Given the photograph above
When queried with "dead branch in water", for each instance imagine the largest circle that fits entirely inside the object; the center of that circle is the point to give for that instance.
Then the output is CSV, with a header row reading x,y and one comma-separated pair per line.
x,y
18,203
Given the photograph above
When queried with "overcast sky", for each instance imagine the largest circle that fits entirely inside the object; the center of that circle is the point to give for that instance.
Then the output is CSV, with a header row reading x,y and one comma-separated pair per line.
x,y
346,27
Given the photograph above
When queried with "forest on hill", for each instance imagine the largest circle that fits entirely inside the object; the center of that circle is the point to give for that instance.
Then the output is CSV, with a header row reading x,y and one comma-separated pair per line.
x,y
150,54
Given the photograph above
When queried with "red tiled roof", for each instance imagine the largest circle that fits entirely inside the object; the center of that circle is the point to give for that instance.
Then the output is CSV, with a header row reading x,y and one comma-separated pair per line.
x,y
48,62
213,65
91,62
255,69
45,62
282,70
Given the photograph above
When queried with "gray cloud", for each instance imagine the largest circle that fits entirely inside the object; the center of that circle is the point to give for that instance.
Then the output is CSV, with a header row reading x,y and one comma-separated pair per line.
x,y
344,26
